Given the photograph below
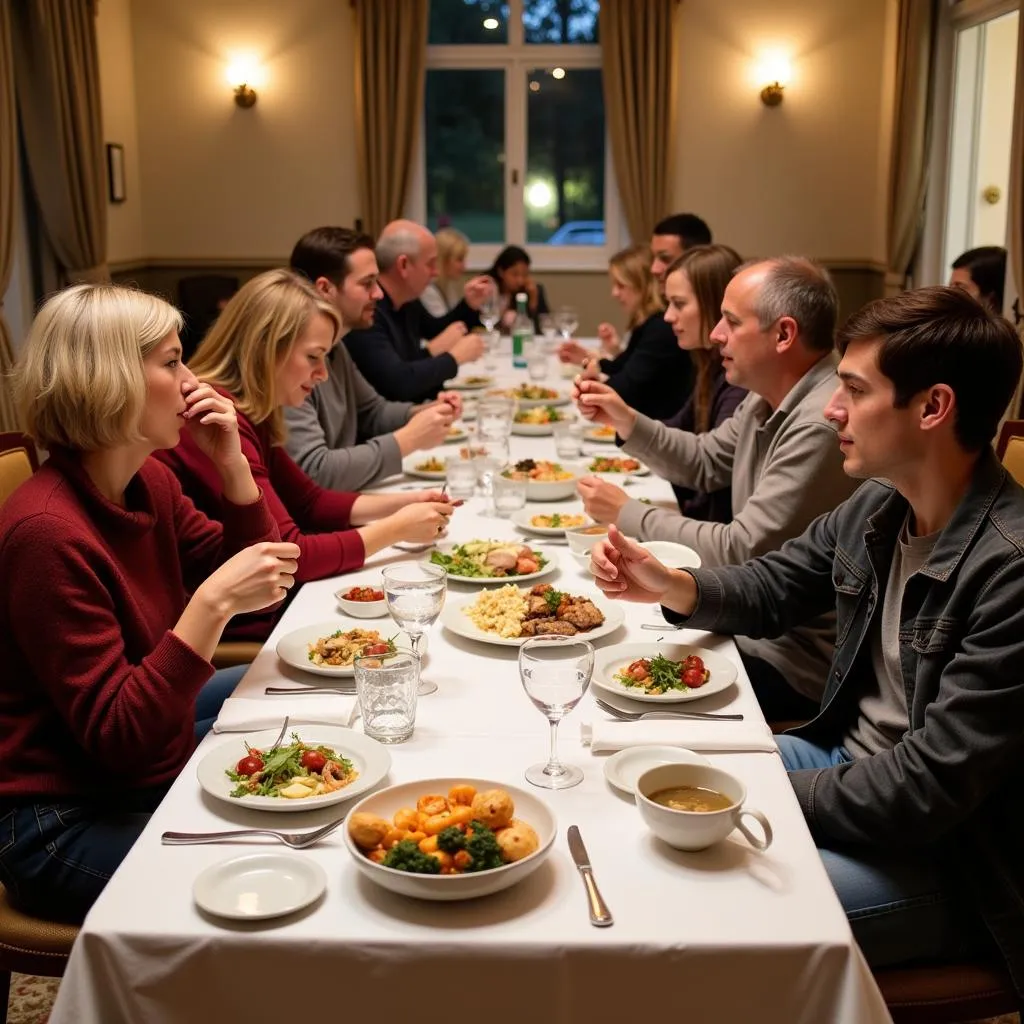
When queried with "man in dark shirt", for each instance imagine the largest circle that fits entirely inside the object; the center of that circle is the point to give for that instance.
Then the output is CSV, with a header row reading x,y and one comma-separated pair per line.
x,y
389,353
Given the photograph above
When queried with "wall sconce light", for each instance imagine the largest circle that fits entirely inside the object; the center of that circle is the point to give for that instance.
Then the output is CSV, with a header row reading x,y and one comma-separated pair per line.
x,y
775,72
243,73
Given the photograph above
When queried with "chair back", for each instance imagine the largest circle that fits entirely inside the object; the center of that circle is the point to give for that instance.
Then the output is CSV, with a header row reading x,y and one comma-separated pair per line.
x,y
1010,448
18,461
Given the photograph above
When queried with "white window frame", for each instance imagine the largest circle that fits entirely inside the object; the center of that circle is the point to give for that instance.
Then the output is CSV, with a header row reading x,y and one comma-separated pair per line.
x,y
517,59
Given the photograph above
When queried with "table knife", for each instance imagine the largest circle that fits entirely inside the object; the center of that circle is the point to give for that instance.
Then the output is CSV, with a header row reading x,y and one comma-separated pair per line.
x,y
600,915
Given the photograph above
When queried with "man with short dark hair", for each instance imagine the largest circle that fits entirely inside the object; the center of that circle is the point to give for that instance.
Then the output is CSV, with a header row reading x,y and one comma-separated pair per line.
x,y
345,435
672,236
981,272
910,777
775,451
389,352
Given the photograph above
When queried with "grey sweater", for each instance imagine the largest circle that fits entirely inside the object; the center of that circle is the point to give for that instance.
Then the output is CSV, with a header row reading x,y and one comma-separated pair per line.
x,y
785,469
342,435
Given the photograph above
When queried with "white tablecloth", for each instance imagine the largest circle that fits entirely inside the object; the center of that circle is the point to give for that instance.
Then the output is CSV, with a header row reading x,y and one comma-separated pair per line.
x,y
724,935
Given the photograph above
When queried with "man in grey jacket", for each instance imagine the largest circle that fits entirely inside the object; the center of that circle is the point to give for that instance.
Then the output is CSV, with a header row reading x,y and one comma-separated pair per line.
x,y
776,451
910,779
346,436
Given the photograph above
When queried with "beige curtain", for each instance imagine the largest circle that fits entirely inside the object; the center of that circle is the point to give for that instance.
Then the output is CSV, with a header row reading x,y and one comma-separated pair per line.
x,y
637,63
1015,211
57,71
908,172
8,204
390,67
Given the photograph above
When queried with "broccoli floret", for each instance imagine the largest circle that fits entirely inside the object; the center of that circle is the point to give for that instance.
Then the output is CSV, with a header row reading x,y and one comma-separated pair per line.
x,y
407,856
451,840
482,846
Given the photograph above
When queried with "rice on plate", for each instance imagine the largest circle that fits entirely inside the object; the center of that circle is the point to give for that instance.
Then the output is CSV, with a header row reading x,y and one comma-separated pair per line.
x,y
500,611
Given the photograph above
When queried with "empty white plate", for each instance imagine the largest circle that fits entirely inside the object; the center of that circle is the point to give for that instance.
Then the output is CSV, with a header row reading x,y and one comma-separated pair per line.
x,y
259,885
625,766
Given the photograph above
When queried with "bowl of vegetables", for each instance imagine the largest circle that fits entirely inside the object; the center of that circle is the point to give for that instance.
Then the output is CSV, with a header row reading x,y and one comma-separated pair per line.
x,y
362,602
449,838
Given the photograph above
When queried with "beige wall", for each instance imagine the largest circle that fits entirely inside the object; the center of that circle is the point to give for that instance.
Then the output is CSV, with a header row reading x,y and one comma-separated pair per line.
x,y
805,176
222,182
125,239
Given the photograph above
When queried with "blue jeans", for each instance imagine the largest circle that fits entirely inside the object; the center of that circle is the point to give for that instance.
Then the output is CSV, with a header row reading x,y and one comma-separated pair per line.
x,y
56,855
898,902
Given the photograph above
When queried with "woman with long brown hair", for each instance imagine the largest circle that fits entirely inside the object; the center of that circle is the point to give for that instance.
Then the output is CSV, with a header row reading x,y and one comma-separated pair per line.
x,y
652,373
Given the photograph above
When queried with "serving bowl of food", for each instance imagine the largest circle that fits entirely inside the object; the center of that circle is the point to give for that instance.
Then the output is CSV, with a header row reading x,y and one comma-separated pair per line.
x,y
362,602
449,838
545,481
529,395
582,538
536,421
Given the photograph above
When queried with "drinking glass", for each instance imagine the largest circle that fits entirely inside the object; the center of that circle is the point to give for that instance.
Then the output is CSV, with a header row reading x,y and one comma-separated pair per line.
x,y
556,672
489,456
509,493
566,320
546,322
460,475
537,360
386,687
414,593
568,443
491,342
494,416
491,309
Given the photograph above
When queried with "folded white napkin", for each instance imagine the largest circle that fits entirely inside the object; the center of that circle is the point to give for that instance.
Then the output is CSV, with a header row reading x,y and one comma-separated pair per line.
x,y
240,714
603,734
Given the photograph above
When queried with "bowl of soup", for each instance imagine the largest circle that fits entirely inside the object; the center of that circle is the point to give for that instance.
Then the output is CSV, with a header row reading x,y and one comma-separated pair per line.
x,y
694,806
675,556
582,538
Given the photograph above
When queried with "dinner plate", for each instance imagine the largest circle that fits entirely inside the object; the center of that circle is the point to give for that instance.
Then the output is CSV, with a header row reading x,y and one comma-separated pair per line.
x,y
370,758
607,663
591,434
561,398
256,886
532,429
454,435
624,767
502,580
453,618
293,648
521,517
472,382
410,462
611,474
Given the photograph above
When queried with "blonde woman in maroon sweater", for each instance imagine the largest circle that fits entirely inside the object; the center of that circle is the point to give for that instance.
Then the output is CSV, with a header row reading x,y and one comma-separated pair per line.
x,y
107,680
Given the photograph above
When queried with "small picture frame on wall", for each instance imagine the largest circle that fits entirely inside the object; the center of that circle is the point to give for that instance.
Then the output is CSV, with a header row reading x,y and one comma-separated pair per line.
x,y
115,172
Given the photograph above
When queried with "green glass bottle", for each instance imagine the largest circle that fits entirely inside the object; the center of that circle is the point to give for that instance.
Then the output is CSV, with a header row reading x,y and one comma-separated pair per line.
x,y
522,332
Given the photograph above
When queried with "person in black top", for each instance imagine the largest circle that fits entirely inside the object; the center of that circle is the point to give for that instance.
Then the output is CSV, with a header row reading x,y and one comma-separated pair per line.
x,y
389,354
651,373
981,273
511,273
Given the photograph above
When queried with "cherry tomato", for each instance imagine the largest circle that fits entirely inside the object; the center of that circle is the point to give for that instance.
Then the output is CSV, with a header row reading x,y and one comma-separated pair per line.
x,y
373,649
312,760
693,677
693,661
250,764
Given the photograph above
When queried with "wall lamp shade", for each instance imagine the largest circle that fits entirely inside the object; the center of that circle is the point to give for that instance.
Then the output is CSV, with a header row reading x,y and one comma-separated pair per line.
x,y
771,95
242,74
774,73
245,96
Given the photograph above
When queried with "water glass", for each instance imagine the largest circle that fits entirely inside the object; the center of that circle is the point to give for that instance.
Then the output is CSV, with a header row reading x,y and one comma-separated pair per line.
x,y
491,342
494,416
460,476
509,494
555,672
537,360
414,593
566,320
491,309
488,458
546,322
568,439
386,687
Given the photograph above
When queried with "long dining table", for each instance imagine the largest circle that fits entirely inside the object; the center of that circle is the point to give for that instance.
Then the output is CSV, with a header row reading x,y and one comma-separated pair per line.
x,y
728,934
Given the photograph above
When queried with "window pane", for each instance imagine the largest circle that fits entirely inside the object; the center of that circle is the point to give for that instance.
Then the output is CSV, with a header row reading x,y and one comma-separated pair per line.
x,y
465,152
560,21
468,21
565,157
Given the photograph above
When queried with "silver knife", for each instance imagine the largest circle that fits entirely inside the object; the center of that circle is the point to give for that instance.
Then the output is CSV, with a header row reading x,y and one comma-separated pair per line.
x,y
600,915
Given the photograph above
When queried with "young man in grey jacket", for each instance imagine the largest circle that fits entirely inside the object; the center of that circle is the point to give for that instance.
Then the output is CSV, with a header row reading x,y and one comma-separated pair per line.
x,y
776,451
346,436
910,778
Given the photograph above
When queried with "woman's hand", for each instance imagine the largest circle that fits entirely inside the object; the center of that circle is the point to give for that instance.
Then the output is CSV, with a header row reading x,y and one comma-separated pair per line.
x,y
609,337
573,352
599,403
421,522
213,425
591,369
257,577
625,570
453,400
602,501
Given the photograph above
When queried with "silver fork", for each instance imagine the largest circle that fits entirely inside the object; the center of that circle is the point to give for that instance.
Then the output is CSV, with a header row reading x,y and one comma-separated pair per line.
x,y
281,734
275,690
664,627
642,716
296,840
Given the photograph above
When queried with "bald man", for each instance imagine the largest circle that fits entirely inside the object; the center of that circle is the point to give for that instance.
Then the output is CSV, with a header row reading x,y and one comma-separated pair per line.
x,y
389,353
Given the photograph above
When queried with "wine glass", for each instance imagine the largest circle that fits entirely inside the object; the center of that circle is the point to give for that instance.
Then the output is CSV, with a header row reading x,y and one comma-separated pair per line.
x,y
566,320
556,672
490,313
414,593
546,322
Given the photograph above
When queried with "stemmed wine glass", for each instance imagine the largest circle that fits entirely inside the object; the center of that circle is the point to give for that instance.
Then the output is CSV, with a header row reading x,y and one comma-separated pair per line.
x,y
490,314
414,593
547,327
556,672
567,320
